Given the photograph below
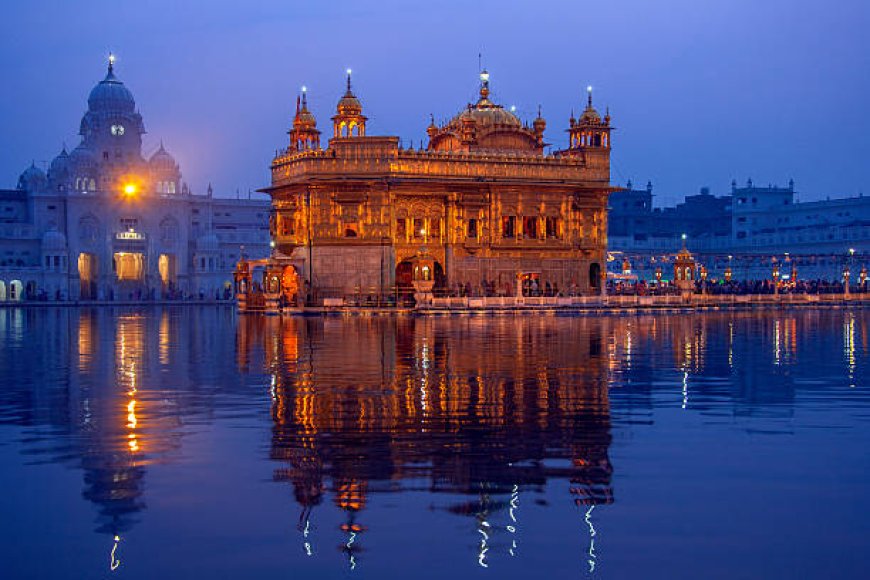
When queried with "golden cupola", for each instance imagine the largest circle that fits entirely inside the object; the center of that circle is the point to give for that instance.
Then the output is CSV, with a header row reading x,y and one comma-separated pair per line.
x,y
589,131
485,126
349,120
304,134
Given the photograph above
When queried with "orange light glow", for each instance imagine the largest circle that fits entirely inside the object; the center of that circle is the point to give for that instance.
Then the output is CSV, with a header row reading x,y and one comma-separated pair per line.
x,y
130,189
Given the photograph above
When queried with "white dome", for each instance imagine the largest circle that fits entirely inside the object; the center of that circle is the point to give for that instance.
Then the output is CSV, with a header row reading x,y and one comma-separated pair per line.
x,y
162,160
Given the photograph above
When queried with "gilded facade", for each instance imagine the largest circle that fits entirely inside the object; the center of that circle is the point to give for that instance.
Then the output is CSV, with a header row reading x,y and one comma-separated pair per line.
x,y
483,198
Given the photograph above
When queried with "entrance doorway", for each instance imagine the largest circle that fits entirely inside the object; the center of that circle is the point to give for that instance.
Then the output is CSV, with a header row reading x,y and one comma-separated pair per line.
x,y
595,276
16,291
129,266
405,278
87,276
167,266
290,285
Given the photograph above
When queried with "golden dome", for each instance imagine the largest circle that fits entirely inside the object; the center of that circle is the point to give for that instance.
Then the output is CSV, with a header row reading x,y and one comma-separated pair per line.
x,y
349,105
487,114
304,117
590,116
485,126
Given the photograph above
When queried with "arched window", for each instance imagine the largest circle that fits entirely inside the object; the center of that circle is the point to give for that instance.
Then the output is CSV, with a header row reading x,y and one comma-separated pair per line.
x,y
169,230
471,228
509,226
89,229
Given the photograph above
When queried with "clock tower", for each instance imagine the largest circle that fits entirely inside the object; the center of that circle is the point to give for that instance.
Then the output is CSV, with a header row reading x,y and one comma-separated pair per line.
x,y
112,128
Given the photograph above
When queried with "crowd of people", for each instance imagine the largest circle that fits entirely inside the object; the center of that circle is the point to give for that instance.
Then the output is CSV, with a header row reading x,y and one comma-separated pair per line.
x,y
737,287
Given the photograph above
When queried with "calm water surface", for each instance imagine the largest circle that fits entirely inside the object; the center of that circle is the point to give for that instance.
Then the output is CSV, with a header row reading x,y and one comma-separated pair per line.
x,y
192,443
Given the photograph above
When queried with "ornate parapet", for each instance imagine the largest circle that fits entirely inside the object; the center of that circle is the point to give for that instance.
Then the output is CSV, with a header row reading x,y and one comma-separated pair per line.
x,y
397,163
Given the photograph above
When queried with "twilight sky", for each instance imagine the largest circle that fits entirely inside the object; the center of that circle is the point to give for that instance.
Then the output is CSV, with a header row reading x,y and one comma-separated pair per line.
x,y
700,91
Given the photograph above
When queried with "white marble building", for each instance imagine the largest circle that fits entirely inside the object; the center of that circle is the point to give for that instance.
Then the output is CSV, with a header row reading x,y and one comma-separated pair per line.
x,y
106,223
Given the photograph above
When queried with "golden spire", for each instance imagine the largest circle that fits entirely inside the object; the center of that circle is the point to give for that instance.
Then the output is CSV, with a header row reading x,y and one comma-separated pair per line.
x,y
484,85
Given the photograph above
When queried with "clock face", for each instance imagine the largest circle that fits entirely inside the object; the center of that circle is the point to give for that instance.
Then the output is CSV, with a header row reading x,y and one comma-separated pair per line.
x,y
117,130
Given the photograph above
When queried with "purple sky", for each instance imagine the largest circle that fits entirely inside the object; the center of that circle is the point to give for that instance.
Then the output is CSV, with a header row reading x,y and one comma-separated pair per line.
x,y
700,91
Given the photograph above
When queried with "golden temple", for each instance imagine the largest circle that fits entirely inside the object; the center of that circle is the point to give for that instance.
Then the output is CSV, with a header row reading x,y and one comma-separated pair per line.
x,y
484,201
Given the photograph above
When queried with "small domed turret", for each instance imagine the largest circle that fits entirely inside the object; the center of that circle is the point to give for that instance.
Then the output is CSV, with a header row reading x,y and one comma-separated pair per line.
x,y
304,134
589,131
162,160
32,179
59,168
349,120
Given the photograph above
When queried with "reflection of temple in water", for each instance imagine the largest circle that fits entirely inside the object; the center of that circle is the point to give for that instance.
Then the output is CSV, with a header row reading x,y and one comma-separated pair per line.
x,y
481,407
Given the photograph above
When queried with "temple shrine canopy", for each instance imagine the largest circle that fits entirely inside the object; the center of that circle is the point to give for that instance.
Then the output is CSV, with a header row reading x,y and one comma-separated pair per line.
x,y
483,127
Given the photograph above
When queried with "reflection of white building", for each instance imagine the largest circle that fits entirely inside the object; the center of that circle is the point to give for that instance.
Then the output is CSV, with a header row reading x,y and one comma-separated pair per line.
x,y
105,222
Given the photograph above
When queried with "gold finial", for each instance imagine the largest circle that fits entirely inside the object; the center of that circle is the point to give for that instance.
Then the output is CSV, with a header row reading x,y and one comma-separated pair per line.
x,y
484,84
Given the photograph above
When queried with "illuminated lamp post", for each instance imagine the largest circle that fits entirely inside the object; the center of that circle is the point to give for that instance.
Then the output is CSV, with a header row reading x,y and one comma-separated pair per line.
x,y
658,275
775,277
862,278
847,273
793,275
703,279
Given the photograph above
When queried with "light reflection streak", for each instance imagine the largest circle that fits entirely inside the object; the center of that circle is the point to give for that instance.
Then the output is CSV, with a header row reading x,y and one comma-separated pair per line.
x,y
350,542
305,532
685,389
849,343
114,562
514,505
730,345
592,556
481,555
776,343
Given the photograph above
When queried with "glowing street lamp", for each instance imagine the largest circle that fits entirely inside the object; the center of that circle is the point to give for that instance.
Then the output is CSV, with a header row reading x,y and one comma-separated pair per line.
x,y
775,278
130,189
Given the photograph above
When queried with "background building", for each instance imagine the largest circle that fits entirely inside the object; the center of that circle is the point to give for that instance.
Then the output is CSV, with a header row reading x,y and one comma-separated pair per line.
x,y
105,222
753,225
